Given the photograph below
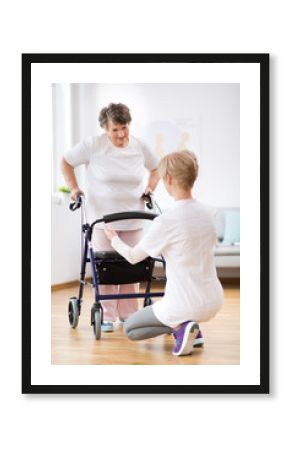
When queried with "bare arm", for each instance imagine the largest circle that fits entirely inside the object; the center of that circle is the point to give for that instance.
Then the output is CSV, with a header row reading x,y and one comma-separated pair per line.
x,y
132,254
152,181
70,178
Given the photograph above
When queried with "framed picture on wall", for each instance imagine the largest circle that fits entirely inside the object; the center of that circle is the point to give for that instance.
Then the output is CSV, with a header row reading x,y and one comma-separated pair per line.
x,y
145,223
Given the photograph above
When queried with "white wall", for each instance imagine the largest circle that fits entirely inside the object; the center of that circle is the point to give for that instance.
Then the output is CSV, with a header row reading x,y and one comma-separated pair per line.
x,y
214,110
65,243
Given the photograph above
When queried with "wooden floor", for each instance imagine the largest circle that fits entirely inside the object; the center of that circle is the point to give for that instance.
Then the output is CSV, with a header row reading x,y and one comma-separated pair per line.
x,y
78,346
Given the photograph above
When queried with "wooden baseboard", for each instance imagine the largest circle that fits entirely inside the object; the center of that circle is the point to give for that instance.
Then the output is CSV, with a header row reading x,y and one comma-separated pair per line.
x,y
67,285
75,283
232,282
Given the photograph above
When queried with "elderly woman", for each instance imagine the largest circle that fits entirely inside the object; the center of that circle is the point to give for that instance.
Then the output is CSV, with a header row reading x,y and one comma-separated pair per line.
x,y
115,165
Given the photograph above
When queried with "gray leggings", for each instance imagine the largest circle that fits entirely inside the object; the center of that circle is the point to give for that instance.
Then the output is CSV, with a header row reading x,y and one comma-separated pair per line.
x,y
143,324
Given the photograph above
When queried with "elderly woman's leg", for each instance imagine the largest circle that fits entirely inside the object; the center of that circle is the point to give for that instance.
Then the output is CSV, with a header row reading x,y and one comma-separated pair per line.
x,y
127,307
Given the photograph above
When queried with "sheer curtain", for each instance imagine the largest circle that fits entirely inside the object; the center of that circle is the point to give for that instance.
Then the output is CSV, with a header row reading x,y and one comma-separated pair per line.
x,y
74,111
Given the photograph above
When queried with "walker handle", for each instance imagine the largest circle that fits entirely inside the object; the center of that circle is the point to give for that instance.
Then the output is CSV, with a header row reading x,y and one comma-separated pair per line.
x,y
128,215
75,205
148,200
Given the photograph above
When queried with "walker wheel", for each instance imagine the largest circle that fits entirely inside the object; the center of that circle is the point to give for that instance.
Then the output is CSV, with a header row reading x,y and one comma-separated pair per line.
x,y
73,312
148,301
97,324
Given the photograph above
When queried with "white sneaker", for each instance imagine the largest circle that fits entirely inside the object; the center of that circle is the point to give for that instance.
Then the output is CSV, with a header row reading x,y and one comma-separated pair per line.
x,y
107,327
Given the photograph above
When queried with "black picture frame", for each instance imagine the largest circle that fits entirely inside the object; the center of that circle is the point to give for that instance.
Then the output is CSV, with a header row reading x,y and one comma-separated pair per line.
x,y
247,58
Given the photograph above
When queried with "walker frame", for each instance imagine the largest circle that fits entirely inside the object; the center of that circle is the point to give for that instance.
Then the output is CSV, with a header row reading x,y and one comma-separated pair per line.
x,y
108,267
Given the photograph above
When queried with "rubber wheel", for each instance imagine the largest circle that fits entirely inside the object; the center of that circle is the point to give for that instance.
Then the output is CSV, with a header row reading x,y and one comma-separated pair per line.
x,y
148,301
73,312
97,324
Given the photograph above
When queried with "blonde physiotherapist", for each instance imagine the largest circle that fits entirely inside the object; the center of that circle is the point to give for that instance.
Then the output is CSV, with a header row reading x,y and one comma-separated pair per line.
x,y
185,235
115,164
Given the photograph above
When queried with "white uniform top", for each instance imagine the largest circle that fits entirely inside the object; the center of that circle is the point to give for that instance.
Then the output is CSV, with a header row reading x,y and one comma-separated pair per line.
x,y
114,176
185,235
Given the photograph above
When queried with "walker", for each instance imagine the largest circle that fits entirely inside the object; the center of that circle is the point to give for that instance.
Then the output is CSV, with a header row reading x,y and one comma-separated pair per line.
x,y
108,267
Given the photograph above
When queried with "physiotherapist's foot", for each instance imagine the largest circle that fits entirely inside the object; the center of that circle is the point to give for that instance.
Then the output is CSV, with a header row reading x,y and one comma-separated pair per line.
x,y
107,327
198,342
184,337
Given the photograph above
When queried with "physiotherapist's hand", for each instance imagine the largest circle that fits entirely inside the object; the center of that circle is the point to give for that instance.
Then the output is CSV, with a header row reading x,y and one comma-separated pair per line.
x,y
110,233
75,193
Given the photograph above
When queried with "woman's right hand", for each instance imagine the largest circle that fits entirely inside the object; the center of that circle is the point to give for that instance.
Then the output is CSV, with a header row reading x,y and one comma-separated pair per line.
x,y
75,193
110,232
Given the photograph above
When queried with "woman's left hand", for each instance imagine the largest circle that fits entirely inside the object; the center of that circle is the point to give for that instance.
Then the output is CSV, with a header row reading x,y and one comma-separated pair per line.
x,y
110,233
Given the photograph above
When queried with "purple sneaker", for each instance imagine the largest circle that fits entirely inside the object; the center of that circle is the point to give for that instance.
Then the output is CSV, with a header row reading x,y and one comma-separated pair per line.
x,y
184,337
198,341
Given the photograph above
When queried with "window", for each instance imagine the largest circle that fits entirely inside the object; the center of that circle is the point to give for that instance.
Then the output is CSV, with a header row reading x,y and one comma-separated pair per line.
x,y
74,117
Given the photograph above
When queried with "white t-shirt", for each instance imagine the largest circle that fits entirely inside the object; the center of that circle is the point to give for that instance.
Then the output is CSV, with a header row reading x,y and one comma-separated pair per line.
x,y
114,177
185,235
